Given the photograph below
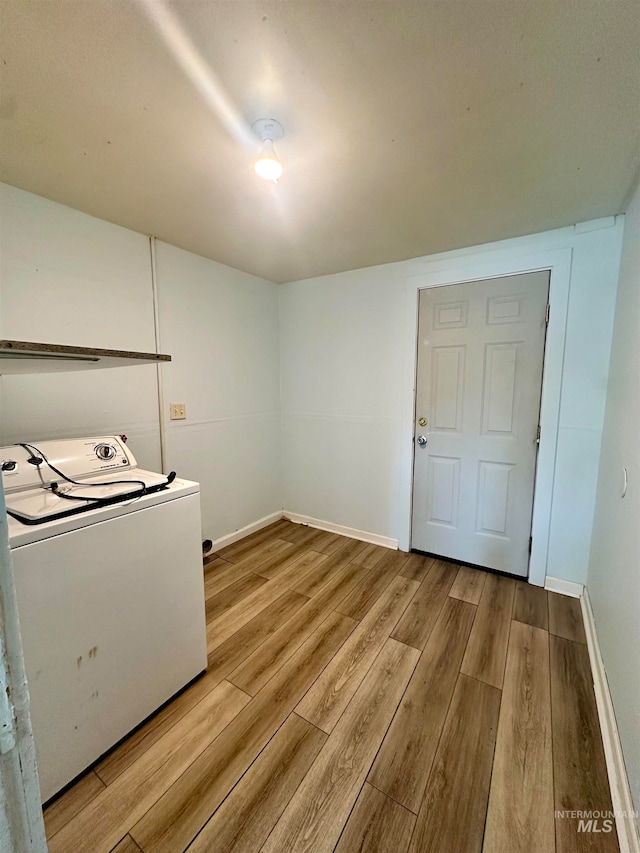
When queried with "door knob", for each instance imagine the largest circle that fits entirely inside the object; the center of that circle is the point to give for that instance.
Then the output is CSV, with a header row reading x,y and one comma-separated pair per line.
x,y
422,440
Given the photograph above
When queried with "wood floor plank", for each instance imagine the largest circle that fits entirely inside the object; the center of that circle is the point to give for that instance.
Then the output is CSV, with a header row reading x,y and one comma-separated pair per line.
x,y
308,564
402,766
416,567
221,575
67,806
454,807
111,814
303,534
370,556
218,604
256,563
362,598
520,813
243,642
330,543
233,619
221,662
127,845
211,557
266,558
327,568
416,625
252,809
530,605
213,568
296,533
267,659
579,768
279,562
376,825
209,561
324,569
565,617
324,704
176,818
468,584
314,818
237,550
487,650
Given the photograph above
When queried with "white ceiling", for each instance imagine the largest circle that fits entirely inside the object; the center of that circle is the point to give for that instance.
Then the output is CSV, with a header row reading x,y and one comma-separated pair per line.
x,y
411,127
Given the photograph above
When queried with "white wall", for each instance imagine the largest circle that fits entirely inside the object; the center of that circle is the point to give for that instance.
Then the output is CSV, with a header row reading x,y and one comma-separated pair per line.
x,y
69,278
343,339
341,366
594,279
614,569
221,327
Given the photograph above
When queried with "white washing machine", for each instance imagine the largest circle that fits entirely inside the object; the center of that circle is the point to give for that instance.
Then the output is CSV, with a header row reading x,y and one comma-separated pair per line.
x,y
108,573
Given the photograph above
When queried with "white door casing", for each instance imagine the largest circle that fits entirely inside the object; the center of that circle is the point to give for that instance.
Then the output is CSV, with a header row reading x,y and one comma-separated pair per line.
x,y
21,823
479,374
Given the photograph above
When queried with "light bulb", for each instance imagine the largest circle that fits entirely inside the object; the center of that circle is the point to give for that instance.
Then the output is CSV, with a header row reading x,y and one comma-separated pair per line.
x,y
267,165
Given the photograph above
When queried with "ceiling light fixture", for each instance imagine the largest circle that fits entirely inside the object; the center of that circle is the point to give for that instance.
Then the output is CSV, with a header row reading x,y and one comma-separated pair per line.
x,y
268,164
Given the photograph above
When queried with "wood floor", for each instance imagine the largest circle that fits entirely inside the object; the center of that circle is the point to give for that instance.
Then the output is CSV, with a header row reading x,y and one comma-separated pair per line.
x,y
357,700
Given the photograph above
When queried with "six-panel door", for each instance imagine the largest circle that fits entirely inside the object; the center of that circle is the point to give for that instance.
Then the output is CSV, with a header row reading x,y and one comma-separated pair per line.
x,y
480,355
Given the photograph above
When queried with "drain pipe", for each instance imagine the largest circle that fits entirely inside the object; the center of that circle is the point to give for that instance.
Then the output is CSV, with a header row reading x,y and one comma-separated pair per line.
x,y
156,329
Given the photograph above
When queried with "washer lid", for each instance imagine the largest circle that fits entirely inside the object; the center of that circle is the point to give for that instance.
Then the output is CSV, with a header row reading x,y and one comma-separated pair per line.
x,y
37,505
24,534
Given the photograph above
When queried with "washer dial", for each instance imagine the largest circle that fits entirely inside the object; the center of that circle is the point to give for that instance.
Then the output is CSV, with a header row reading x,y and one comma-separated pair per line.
x,y
105,452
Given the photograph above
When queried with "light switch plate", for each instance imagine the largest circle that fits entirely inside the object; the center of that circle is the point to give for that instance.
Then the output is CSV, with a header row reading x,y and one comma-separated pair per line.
x,y
177,411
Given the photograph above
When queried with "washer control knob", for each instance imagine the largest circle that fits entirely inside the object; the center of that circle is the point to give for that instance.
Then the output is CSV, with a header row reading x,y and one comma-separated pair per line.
x,y
10,466
105,452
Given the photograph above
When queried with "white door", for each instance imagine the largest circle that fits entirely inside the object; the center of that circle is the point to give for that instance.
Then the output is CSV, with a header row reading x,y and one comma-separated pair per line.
x,y
480,354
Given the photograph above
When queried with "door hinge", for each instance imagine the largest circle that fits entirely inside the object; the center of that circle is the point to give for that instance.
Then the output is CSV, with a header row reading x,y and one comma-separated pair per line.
x,y
547,311
538,435
530,543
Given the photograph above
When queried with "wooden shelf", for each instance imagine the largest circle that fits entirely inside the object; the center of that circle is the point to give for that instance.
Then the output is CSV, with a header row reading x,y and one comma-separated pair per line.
x,y
28,357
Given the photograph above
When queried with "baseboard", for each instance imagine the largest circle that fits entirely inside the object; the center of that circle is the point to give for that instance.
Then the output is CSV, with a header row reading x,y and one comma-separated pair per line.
x,y
563,587
623,808
230,538
353,532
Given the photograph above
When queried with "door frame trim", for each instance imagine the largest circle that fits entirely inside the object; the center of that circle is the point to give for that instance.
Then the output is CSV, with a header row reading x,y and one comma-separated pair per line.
x,y
475,267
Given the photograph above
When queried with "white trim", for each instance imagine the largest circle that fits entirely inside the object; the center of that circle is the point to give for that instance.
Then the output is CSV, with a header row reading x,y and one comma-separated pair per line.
x,y
353,532
595,225
156,330
564,587
21,824
230,538
621,798
494,264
